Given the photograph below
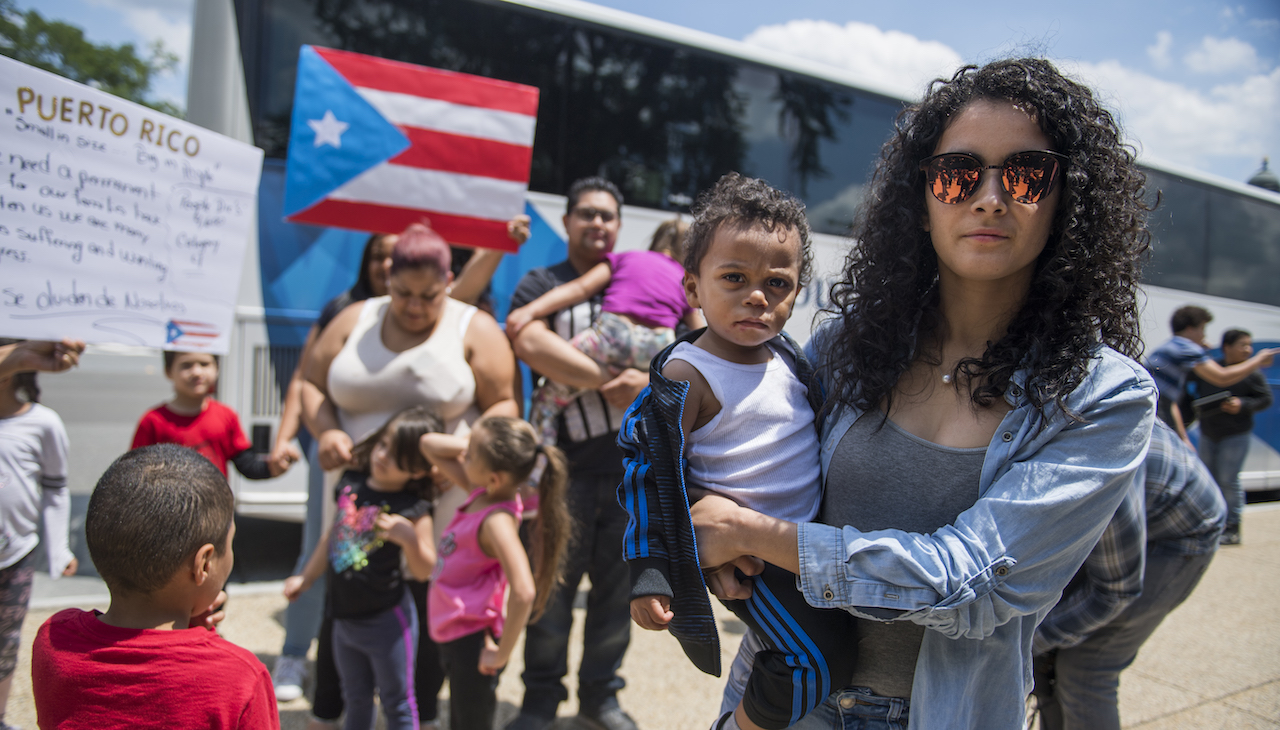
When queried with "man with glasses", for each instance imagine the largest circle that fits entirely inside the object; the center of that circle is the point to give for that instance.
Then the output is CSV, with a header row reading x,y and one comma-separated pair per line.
x,y
588,431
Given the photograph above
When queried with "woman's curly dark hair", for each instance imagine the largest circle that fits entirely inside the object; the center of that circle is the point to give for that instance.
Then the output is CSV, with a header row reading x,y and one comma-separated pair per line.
x,y
1083,291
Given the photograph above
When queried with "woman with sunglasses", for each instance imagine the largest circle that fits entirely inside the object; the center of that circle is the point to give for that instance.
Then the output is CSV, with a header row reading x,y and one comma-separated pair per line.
x,y
984,414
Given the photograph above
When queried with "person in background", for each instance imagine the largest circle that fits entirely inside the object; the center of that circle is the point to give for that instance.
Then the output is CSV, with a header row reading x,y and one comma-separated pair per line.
x,y
34,498
1147,562
159,529
415,346
587,430
193,418
1173,361
643,302
474,617
303,617
1226,424
383,515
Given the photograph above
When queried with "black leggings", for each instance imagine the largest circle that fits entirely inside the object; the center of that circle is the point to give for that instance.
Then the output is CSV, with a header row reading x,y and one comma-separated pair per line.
x,y
473,697
810,652
428,672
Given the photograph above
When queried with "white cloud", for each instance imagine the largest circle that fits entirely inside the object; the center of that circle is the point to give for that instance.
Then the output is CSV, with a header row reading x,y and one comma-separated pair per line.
x,y
1159,53
893,59
1233,124
1222,55
1224,129
169,21
165,20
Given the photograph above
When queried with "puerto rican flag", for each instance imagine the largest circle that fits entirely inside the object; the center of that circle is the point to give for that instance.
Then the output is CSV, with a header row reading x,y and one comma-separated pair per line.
x,y
378,144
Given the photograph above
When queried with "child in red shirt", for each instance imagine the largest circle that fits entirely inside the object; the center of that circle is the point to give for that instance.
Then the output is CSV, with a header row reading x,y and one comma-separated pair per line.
x,y
195,420
159,530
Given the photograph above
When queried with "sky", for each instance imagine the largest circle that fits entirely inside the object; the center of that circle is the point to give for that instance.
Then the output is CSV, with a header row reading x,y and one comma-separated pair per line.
x,y
1195,83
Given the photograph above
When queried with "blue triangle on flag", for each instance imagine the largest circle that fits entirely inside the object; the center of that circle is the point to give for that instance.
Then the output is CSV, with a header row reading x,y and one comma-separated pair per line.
x,y
336,134
172,331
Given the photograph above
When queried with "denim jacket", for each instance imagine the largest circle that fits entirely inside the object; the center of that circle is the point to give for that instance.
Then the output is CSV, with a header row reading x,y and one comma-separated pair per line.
x,y
659,544
984,582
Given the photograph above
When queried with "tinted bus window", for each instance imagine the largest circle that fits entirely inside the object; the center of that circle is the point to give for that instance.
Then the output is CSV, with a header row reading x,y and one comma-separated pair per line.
x,y
661,120
1179,254
1244,241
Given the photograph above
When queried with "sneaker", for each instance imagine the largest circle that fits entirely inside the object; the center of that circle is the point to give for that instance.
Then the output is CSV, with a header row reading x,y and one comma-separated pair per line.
x,y
530,721
1230,537
608,716
288,677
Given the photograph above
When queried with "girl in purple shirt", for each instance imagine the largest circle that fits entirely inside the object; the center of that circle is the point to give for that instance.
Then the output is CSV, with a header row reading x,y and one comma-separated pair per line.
x,y
644,300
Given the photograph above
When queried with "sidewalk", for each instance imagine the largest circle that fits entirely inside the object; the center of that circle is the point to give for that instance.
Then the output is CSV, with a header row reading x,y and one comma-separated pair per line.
x,y
1214,663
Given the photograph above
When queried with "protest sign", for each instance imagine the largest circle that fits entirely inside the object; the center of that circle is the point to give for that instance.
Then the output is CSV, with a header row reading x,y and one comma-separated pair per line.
x,y
377,144
117,223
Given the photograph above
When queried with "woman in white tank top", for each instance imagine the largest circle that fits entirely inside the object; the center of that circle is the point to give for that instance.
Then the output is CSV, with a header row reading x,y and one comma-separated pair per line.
x,y
414,347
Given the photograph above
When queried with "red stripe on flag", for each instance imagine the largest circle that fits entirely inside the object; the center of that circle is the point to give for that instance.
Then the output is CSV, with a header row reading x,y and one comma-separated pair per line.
x,y
446,152
371,72
462,230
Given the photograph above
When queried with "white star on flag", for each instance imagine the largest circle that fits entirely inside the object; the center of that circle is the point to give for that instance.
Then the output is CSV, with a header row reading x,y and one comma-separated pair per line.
x,y
328,129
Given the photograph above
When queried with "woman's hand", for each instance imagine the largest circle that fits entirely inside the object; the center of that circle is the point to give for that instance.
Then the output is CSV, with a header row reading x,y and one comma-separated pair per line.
x,y
490,659
727,532
396,528
724,583
295,586
282,457
518,229
714,520
335,449
71,568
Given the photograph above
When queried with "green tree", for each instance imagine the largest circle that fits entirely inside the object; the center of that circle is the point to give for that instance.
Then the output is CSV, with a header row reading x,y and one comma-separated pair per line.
x,y
61,48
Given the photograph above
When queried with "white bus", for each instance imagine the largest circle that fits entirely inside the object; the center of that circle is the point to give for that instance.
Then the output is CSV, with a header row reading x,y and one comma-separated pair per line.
x,y
661,110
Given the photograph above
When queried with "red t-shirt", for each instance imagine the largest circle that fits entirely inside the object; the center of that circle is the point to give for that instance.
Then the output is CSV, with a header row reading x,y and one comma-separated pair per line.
x,y
214,432
89,675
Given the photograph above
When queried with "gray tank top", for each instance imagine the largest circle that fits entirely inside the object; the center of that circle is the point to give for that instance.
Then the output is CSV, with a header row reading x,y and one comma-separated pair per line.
x,y
887,478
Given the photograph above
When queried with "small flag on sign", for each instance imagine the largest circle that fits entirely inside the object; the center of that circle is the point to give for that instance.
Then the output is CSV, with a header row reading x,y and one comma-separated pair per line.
x,y
185,333
378,144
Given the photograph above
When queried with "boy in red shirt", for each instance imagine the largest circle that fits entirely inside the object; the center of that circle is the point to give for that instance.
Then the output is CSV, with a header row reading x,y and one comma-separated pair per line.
x,y
195,420
159,530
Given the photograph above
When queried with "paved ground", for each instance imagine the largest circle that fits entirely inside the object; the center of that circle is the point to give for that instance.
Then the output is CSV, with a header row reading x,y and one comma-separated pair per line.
x,y
1214,663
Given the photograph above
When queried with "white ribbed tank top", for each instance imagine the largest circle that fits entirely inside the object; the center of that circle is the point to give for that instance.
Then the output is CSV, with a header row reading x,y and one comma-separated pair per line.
x,y
761,449
369,383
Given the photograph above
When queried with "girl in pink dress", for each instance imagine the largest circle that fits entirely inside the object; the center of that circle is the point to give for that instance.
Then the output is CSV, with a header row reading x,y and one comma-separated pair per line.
x,y
480,553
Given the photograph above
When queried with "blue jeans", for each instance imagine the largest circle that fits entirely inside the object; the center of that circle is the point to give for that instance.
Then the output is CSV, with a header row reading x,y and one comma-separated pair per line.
x,y
596,550
856,708
378,653
302,617
1087,676
1225,457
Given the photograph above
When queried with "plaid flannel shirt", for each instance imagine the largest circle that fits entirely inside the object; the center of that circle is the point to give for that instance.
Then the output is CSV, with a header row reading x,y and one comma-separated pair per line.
x,y
1184,514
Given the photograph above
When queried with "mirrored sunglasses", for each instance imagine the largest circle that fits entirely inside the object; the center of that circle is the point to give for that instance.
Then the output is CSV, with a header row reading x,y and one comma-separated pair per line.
x,y
953,177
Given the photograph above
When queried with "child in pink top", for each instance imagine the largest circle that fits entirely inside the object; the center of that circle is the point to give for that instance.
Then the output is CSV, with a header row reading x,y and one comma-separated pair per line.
x,y
480,553
643,302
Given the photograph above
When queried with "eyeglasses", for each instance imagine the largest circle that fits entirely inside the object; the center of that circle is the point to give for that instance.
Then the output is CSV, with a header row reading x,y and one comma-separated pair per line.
x,y
586,215
953,177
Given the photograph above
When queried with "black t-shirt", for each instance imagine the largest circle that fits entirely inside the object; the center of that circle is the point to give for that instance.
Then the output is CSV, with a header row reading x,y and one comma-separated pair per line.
x,y
364,576
588,427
